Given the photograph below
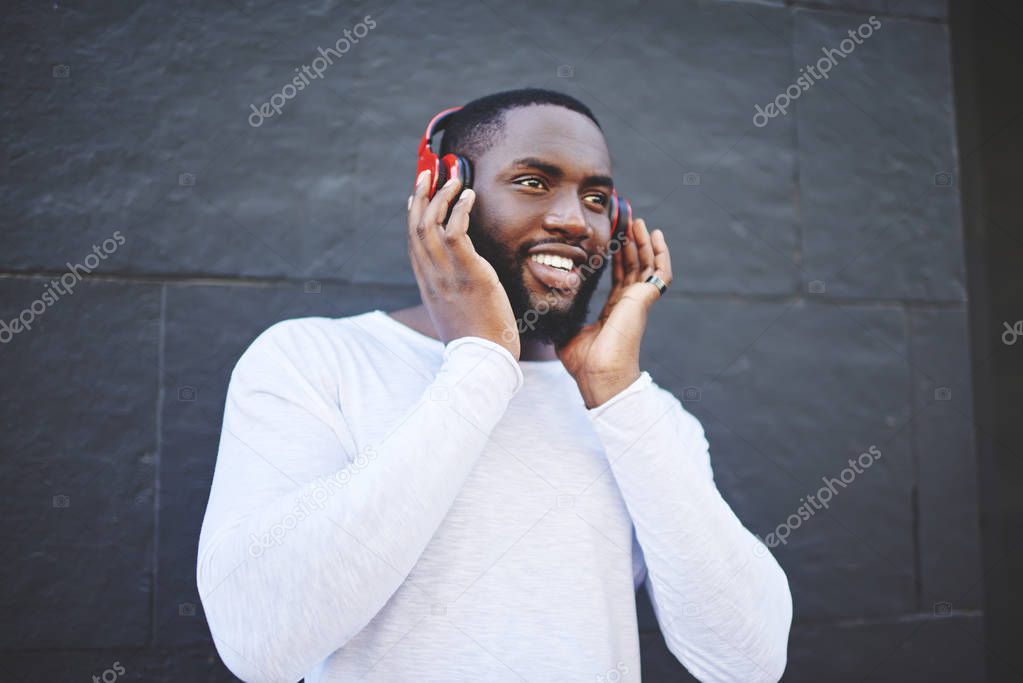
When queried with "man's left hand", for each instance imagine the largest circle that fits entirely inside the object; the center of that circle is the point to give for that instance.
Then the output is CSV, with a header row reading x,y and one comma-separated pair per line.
x,y
604,356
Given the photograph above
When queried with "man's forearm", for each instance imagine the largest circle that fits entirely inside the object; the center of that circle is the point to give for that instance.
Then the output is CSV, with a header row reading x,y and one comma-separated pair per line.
x,y
721,599
276,612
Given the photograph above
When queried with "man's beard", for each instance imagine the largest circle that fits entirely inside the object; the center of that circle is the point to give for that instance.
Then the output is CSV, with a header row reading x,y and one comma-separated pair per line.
x,y
536,319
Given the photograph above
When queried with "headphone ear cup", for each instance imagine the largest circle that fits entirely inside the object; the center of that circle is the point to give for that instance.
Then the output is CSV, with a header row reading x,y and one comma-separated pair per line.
x,y
621,217
427,162
626,215
614,214
453,165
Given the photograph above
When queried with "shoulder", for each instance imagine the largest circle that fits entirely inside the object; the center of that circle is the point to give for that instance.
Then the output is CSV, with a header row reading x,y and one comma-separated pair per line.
x,y
286,338
310,345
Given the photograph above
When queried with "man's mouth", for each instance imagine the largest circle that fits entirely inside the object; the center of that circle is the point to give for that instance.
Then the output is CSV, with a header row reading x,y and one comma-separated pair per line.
x,y
554,261
556,264
556,272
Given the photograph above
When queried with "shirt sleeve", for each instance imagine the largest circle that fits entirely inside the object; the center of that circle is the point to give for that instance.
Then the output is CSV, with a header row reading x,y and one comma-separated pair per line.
x,y
304,538
721,599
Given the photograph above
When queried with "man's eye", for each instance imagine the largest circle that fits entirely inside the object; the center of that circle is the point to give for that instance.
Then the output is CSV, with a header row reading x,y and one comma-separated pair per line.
x,y
598,197
531,179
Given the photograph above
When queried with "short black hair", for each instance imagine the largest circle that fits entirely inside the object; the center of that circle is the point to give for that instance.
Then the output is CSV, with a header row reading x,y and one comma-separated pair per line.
x,y
474,128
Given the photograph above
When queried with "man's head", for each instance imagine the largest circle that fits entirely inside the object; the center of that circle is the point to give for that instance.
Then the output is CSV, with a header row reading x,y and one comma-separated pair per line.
x,y
542,174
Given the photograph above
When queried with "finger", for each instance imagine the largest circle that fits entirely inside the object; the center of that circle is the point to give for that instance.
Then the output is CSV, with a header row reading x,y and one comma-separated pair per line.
x,y
609,303
617,281
419,200
452,245
458,224
424,235
630,256
415,209
617,269
662,257
417,268
456,234
437,211
416,253
417,233
645,250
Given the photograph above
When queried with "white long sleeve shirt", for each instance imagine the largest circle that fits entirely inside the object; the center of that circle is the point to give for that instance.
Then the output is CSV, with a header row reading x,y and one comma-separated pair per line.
x,y
389,508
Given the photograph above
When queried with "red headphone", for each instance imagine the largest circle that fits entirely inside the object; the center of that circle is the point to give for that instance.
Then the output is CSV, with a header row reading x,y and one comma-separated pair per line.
x,y
457,166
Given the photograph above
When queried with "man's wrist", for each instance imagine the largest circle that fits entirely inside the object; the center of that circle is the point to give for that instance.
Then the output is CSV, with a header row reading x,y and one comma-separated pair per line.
x,y
599,389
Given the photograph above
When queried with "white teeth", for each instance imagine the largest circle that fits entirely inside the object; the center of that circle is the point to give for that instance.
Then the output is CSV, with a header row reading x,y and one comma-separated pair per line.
x,y
552,260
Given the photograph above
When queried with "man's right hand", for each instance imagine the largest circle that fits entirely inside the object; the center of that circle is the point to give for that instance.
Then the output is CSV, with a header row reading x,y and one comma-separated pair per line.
x,y
460,289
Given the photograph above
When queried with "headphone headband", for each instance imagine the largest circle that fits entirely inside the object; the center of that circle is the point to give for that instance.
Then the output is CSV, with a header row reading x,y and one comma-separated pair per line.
x,y
441,168
435,124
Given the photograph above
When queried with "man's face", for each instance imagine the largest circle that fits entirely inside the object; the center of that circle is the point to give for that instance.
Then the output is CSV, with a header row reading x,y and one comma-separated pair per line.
x,y
544,187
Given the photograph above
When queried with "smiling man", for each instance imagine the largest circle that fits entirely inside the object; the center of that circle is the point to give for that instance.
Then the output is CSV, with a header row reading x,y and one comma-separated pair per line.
x,y
442,493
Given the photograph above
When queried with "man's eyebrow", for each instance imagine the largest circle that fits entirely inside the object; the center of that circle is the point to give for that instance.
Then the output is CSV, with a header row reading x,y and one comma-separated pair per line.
x,y
555,171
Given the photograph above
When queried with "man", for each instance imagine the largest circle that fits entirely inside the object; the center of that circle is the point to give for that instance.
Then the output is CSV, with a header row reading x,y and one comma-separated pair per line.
x,y
446,493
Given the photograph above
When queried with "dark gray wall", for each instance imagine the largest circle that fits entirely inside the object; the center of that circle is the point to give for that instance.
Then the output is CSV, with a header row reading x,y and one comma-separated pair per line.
x,y
819,305
988,54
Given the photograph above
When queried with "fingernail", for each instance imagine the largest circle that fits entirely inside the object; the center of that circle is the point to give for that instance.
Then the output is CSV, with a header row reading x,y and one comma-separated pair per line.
x,y
422,177
450,182
466,195
409,206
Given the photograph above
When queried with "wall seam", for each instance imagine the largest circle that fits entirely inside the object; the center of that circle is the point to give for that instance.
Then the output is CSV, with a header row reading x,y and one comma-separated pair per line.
x,y
160,348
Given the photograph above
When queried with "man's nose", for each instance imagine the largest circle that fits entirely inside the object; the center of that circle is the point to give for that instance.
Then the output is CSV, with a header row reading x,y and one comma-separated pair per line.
x,y
566,216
